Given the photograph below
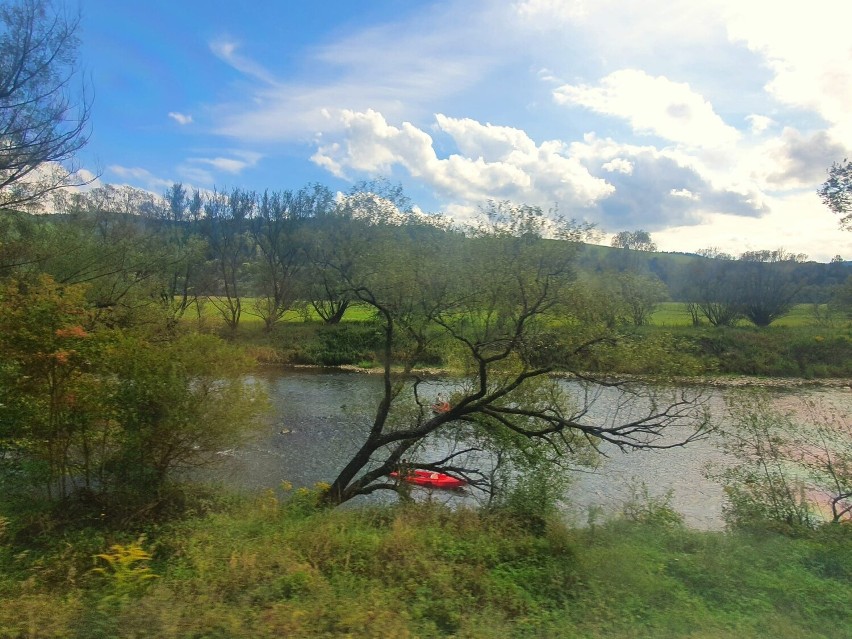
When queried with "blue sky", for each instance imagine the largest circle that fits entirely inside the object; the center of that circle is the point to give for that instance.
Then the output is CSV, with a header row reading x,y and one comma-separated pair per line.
x,y
706,122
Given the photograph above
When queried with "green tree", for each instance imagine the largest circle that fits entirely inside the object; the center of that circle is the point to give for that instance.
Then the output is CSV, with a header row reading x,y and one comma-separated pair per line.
x,y
24,243
836,191
43,115
638,240
177,403
712,289
281,233
334,246
765,285
47,364
841,299
492,299
86,409
225,223
789,468
642,294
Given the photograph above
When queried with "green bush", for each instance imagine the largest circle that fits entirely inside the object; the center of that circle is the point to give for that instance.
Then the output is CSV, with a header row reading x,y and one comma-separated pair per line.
x,y
348,343
776,351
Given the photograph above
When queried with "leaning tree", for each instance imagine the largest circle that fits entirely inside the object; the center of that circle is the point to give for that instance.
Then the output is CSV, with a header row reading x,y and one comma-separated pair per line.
x,y
498,302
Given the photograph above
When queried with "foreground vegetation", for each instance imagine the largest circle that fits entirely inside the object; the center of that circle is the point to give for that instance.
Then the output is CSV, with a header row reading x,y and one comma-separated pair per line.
x,y
269,569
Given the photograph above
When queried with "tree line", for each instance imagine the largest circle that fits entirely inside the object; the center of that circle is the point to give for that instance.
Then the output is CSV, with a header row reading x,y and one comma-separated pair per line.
x,y
267,253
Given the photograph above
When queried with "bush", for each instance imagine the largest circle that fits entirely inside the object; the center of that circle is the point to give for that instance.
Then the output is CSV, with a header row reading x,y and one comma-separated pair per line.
x,y
348,343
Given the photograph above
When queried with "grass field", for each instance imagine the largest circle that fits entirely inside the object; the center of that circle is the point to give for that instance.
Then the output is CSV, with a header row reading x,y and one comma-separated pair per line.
x,y
668,314
675,314
268,569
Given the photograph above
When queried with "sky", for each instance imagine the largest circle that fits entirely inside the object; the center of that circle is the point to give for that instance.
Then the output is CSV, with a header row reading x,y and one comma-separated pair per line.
x,y
709,123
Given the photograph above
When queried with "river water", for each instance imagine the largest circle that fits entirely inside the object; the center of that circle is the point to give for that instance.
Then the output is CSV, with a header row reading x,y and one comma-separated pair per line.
x,y
318,420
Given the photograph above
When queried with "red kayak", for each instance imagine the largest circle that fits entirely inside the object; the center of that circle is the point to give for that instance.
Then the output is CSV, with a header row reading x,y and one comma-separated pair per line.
x,y
430,479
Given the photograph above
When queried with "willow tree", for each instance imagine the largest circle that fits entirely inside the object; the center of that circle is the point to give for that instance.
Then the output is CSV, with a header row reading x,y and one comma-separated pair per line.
x,y
494,301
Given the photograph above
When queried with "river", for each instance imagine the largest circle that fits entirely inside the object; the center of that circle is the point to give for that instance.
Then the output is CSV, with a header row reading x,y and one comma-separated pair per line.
x,y
318,420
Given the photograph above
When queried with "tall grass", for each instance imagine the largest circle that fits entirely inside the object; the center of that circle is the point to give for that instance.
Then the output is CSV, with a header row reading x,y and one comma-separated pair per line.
x,y
265,569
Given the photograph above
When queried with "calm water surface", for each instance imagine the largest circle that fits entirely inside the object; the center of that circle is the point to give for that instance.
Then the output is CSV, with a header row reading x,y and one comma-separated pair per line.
x,y
319,419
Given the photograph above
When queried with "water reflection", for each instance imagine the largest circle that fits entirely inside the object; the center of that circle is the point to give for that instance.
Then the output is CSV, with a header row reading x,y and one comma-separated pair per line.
x,y
320,418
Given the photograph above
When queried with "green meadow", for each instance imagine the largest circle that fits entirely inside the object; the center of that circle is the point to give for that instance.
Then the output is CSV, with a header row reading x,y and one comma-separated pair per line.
x,y
793,346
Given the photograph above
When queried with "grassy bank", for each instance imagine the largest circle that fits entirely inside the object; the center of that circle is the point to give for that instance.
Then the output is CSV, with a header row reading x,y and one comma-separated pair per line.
x,y
794,346
266,569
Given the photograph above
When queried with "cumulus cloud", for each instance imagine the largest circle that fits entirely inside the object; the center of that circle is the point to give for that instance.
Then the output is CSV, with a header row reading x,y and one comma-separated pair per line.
x,y
685,193
652,105
784,225
493,162
759,123
618,165
617,185
807,51
181,118
740,112
663,188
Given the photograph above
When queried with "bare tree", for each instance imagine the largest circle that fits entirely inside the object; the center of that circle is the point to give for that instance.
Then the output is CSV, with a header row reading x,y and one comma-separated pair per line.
x,y
44,114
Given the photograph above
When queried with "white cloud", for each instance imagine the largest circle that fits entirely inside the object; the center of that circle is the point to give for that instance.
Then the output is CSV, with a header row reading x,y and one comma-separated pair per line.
x,y
807,50
799,223
494,162
228,51
748,114
651,194
684,193
759,123
788,161
653,105
194,169
552,11
181,118
440,50
618,165
141,176
228,165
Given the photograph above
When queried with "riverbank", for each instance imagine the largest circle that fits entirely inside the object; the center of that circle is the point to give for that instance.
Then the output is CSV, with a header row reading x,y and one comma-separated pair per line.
x,y
724,355
728,381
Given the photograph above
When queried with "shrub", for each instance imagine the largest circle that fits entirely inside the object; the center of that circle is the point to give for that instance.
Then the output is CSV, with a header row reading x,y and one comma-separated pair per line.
x,y
348,343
